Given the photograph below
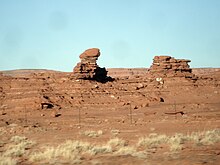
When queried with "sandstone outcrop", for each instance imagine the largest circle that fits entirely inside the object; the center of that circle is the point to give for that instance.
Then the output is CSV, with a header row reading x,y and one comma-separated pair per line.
x,y
167,66
88,68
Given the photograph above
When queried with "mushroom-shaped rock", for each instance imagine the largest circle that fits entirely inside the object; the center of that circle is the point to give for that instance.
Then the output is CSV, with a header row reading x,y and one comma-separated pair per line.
x,y
87,68
93,52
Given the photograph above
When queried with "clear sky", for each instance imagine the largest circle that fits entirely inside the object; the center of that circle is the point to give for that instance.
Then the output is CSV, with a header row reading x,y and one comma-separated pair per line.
x,y
51,34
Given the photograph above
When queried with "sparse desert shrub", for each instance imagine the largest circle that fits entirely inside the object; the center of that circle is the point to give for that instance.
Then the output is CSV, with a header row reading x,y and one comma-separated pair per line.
x,y
69,151
126,150
74,146
99,149
175,147
14,151
176,142
18,147
116,143
1,143
206,137
152,141
130,150
18,139
93,133
210,137
72,152
2,130
115,132
55,155
194,137
7,161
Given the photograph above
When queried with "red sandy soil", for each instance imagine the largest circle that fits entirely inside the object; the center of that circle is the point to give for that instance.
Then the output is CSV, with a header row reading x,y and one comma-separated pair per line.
x,y
133,104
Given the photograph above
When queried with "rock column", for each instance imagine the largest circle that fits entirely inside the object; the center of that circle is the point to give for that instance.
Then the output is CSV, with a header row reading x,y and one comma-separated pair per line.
x,y
88,68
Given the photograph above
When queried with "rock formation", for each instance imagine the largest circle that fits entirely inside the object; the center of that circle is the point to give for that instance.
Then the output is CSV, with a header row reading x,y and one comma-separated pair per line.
x,y
167,66
88,68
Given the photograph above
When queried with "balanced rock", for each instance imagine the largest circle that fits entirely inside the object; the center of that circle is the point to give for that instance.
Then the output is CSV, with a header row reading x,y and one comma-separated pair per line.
x,y
88,68
167,66
94,52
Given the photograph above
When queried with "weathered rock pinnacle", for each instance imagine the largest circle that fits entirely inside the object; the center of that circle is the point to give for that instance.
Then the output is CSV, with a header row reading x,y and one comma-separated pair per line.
x,y
88,68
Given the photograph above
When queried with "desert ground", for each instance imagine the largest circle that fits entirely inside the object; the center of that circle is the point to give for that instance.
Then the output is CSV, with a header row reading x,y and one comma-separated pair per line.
x,y
47,117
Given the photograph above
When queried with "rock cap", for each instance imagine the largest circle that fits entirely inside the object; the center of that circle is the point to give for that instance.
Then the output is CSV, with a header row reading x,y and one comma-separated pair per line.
x,y
93,52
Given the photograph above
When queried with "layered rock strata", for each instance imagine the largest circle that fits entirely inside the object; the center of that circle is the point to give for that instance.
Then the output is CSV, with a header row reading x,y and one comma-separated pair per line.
x,y
167,66
87,68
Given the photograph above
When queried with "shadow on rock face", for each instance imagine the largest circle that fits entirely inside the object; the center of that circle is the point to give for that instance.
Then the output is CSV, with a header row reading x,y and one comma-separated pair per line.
x,y
101,75
88,69
46,106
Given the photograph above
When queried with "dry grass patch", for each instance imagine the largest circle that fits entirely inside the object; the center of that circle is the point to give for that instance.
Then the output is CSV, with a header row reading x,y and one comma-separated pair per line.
x,y
93,133
18,147
115,132
99,149
7,161
70,151
177,141
205,138
152,141
74,152
117,143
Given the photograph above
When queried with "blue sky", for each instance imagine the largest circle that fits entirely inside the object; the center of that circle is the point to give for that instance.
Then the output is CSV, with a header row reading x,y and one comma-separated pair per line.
x,y
51,34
